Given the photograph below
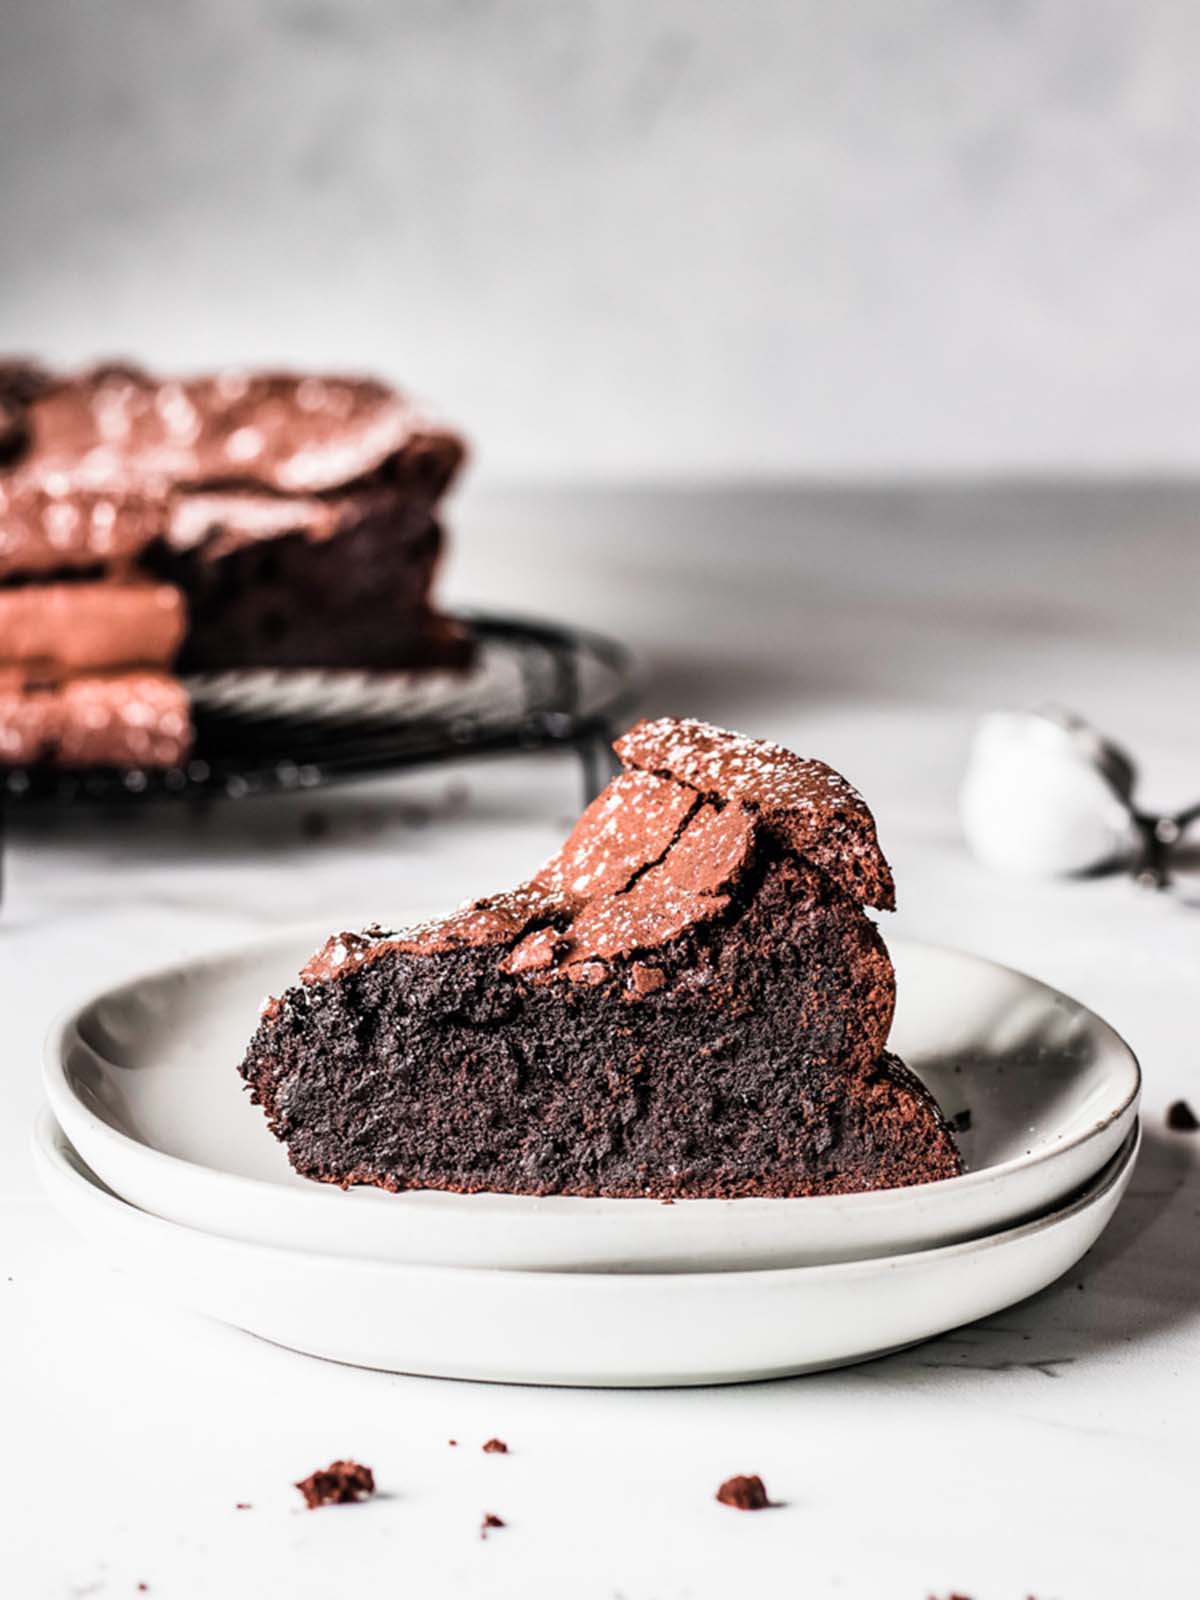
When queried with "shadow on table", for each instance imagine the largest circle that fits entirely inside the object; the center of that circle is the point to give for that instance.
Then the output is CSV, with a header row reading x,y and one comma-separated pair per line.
x,y
1141,1278
396,818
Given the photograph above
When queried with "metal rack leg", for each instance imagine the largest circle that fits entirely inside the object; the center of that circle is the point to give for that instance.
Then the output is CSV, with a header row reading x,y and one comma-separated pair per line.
x,y
596,759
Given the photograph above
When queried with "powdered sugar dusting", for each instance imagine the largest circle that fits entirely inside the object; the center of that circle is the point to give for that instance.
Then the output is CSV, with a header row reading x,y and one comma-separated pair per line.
x,y
629,826
814,808
733,765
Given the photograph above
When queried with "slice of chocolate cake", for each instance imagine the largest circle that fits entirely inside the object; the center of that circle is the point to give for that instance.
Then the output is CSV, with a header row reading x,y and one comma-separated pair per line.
x,y
687,1000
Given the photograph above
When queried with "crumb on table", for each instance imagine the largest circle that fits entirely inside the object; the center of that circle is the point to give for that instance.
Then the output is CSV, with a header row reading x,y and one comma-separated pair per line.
x,y
744,1492
340,1483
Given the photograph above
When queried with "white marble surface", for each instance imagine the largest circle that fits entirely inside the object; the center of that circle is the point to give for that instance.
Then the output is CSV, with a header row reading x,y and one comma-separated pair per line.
x,y
620,238
1048,1452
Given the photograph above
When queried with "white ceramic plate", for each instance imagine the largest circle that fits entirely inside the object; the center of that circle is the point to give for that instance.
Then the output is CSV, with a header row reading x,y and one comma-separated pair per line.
x,y
144,1081
614,1329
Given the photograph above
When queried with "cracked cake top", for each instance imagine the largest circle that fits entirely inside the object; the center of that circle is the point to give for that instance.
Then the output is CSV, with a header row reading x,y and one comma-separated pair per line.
x,y
94,465
659,851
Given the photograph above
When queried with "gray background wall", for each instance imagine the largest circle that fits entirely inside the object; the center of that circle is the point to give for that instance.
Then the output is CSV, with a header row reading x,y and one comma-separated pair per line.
x,y
655,238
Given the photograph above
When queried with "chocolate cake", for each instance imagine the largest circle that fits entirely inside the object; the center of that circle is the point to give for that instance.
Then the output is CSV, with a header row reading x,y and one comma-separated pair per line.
x,y
688,999
228,521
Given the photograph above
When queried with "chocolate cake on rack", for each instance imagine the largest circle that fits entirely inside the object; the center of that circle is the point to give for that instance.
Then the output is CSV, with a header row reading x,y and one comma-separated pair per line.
x,y
149,526
687,1000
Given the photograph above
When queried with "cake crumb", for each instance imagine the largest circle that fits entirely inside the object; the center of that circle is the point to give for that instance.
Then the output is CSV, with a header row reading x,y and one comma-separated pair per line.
x,y
453,1442
961,1121
645,979
341,1483
1181,1118
496,1447
744,1492
490,1520
243,1505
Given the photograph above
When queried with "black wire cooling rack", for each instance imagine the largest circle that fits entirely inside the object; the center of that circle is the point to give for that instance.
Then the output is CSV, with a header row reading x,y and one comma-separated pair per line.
x,y
533,686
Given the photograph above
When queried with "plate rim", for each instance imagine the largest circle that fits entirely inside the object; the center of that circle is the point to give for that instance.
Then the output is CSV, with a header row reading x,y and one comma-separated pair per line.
x,y
1116,1171
59,1089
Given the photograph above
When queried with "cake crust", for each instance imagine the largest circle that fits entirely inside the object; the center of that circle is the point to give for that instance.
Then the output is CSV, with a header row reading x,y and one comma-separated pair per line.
x,y
113,458
55,629
118,719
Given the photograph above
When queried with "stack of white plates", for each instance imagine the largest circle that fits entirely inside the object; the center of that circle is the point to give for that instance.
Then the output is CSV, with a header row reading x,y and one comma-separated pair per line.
x,y
154,1151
